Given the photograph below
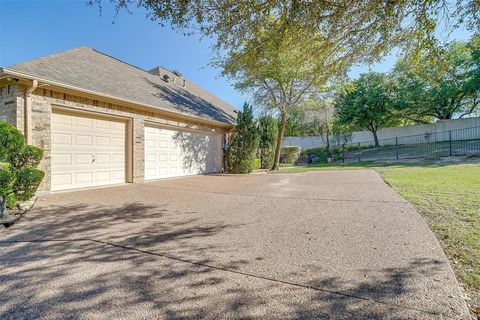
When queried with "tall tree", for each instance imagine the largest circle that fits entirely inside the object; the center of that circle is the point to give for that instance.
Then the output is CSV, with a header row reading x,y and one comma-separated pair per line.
x,y
367,104
283,77
443,86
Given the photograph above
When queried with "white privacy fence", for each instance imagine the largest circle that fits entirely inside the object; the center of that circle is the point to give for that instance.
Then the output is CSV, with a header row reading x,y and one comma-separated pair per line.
x,y
366,137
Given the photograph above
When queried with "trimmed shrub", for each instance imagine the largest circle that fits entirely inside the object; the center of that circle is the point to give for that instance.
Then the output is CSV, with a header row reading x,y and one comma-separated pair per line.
x,y
7,178
290,154
29,156
28,180
11,141
19,177
243,143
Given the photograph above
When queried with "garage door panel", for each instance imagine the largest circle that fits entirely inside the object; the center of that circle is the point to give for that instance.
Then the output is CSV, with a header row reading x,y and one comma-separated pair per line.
x,y
62,159
61,119
102,141
62,180
119,142
118,175
62,138
103,159
87,151
118,159
102,124
101,176
84,122
84,177
171,153
163,144
81,139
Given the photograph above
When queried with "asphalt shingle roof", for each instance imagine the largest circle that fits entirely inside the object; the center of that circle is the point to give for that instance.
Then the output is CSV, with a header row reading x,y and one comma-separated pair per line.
x,y
92,70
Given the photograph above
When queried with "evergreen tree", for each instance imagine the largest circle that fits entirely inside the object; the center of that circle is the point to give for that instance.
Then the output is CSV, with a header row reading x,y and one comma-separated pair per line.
x,y
243,142
268,131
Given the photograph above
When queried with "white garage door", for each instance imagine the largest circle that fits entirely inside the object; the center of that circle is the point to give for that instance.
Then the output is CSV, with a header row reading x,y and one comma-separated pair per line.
x,y
87,151
174,153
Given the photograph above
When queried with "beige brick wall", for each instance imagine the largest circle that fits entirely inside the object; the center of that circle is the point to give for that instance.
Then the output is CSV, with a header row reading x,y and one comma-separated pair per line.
x,y
10,98
43,100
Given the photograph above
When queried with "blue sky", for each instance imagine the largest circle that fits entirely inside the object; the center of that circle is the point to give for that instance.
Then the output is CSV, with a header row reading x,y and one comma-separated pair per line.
x,y
52,26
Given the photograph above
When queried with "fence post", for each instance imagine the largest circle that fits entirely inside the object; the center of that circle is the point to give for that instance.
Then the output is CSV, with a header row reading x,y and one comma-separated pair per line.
x,y
359,152
450,141
396,147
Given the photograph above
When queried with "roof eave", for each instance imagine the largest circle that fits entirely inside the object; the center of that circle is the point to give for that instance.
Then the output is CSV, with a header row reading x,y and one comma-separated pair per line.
x,y
5,72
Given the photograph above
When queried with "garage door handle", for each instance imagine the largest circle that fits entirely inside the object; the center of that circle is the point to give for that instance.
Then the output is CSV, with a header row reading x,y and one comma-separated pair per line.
x,y
93,158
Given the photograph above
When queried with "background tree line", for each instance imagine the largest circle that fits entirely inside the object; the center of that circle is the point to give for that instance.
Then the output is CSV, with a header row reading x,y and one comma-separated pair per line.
x,y
443,86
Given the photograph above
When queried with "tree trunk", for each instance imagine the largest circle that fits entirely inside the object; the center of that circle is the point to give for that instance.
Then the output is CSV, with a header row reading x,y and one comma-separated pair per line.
x,y
3,207
328,149
375,137
276,159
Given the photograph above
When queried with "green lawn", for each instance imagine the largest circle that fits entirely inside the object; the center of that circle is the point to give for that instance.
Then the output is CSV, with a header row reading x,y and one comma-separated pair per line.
x,y
336,166
448,195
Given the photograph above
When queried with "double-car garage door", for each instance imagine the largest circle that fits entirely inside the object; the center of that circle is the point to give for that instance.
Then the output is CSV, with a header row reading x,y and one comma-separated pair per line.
x,y
174,153
89,151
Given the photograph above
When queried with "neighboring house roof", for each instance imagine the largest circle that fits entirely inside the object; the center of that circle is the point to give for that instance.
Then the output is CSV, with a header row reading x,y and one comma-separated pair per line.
x,y
91,70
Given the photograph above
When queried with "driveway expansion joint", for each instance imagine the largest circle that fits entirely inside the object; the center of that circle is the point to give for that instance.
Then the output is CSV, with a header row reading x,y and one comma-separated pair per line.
x,y
288,197
166,256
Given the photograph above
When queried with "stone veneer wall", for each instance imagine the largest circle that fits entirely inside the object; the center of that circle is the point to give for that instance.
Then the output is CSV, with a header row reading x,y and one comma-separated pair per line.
x,y
44,99
10,99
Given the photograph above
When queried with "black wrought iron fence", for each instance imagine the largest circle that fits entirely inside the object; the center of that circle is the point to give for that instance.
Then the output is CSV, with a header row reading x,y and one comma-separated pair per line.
x,y
460,142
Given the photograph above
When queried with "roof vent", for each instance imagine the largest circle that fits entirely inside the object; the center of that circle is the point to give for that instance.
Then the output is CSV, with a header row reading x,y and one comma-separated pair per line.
x,y
177,73
166,77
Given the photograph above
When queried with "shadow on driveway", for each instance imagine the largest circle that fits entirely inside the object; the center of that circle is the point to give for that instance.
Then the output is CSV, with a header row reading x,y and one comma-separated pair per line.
x,y
79,256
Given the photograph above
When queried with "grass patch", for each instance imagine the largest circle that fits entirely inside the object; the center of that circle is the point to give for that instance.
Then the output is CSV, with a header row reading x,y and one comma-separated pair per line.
x,y
340,166
448,196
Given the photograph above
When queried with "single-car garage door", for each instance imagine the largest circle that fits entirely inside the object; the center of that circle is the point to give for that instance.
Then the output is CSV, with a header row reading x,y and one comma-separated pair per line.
x,y
174,153
87,151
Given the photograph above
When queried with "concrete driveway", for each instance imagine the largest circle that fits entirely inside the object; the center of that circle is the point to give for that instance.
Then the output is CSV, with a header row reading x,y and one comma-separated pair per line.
x,y
334,244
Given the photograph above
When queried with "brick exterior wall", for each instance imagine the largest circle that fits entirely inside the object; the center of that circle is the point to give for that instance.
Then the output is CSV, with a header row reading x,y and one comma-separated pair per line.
x,y
44,100
10,99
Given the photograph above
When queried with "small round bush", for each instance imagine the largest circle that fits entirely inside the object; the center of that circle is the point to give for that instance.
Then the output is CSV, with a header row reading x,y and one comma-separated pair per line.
x,y
290,154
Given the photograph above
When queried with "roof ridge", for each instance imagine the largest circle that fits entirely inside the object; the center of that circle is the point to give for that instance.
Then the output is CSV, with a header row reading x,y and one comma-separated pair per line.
x,y
132,65
120,60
